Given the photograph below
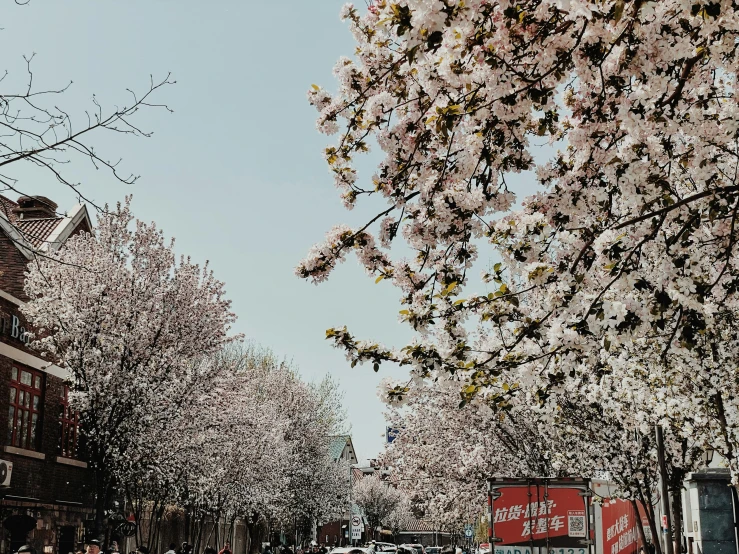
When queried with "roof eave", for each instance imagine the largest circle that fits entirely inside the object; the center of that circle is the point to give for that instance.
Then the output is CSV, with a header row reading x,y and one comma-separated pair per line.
x,y
18,239
66,227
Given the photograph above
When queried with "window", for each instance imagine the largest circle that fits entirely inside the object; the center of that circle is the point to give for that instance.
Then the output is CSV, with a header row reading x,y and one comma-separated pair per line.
x,y
70,421
24,412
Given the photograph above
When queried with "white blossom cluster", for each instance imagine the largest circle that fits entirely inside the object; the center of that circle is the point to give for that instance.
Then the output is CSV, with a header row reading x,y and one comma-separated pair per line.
x,y
380,501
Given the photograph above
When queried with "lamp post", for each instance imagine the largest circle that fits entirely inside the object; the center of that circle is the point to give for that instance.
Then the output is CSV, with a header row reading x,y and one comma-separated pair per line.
x,y
707,456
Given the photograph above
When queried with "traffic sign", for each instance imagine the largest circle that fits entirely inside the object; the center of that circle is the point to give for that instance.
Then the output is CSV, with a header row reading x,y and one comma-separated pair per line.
x,y
468,533
356,521
391,433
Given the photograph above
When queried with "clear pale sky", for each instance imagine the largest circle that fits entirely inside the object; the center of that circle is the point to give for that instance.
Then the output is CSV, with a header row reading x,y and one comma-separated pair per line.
x,y
236,173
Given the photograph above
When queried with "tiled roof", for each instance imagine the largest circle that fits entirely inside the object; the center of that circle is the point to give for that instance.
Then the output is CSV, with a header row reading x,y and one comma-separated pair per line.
x,y
36,231
336,446
419,525
6,207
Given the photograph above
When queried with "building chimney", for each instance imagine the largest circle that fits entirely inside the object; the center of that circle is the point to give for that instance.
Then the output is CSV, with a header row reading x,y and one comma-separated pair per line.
x,y
35,207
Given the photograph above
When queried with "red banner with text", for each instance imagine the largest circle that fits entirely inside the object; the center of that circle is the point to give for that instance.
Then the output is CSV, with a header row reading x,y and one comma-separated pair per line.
x,y
534,513
620,527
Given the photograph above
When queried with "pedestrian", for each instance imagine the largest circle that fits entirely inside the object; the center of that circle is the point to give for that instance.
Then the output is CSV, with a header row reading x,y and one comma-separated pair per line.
x,y
184,549
226,549
142,549
93,547
209,550
172,549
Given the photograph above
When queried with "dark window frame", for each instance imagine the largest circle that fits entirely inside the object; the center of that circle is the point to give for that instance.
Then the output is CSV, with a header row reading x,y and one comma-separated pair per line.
x,y
25,407
70,428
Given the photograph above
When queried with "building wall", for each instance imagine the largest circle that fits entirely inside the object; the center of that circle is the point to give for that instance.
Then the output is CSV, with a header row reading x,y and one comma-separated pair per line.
x,y
52,478
333,531
12,267
426,538
49,498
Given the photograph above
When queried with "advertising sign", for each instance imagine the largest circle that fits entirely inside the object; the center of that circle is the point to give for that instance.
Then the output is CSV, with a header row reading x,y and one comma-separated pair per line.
x,y
537,512
538,550
620,531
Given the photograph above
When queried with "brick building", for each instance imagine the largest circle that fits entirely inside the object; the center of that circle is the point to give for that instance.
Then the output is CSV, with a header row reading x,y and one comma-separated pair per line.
x,y
49,497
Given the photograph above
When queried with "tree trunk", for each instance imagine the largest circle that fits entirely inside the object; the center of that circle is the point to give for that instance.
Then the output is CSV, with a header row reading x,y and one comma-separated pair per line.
x,y
101,502
677,508
640,525
650,516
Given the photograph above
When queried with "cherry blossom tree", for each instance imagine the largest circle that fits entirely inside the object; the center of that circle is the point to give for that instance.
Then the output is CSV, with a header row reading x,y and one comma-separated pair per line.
x,y
133,326
252,446
377,498
401,518
623,264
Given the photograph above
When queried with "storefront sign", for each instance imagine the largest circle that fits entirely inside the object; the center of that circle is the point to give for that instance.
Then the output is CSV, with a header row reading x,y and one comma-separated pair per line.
x,y
11,326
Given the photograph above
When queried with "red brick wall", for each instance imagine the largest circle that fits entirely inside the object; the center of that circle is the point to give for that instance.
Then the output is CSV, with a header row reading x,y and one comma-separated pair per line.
x,y
333,530
47,480
12,267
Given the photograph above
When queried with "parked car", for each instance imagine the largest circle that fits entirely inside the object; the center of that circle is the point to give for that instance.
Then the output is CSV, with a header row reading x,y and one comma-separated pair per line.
x,y
351,550
417,548
385,547
433,550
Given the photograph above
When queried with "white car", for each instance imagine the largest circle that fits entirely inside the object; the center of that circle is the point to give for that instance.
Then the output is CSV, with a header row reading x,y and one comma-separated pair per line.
x,y
351,550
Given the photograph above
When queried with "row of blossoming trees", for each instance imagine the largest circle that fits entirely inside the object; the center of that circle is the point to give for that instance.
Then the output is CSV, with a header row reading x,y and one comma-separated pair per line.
x,y
175,411
609,305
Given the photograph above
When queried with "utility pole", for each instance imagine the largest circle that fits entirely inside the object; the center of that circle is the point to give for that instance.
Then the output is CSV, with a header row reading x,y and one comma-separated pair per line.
x,y
349,521
665,499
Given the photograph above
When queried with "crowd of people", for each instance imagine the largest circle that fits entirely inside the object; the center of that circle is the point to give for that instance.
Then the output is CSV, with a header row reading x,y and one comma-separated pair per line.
x,y
312,548
95,547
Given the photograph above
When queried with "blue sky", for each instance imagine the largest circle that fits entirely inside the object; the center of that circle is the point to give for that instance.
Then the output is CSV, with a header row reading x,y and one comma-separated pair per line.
x,y
236,173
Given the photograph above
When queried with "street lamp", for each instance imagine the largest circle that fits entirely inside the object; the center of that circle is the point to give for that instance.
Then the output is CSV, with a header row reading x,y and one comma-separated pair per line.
x,y
707,456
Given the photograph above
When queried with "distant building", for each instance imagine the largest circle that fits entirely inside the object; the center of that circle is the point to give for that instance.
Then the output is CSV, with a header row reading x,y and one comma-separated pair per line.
x,y
342,448
336,532
50,493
